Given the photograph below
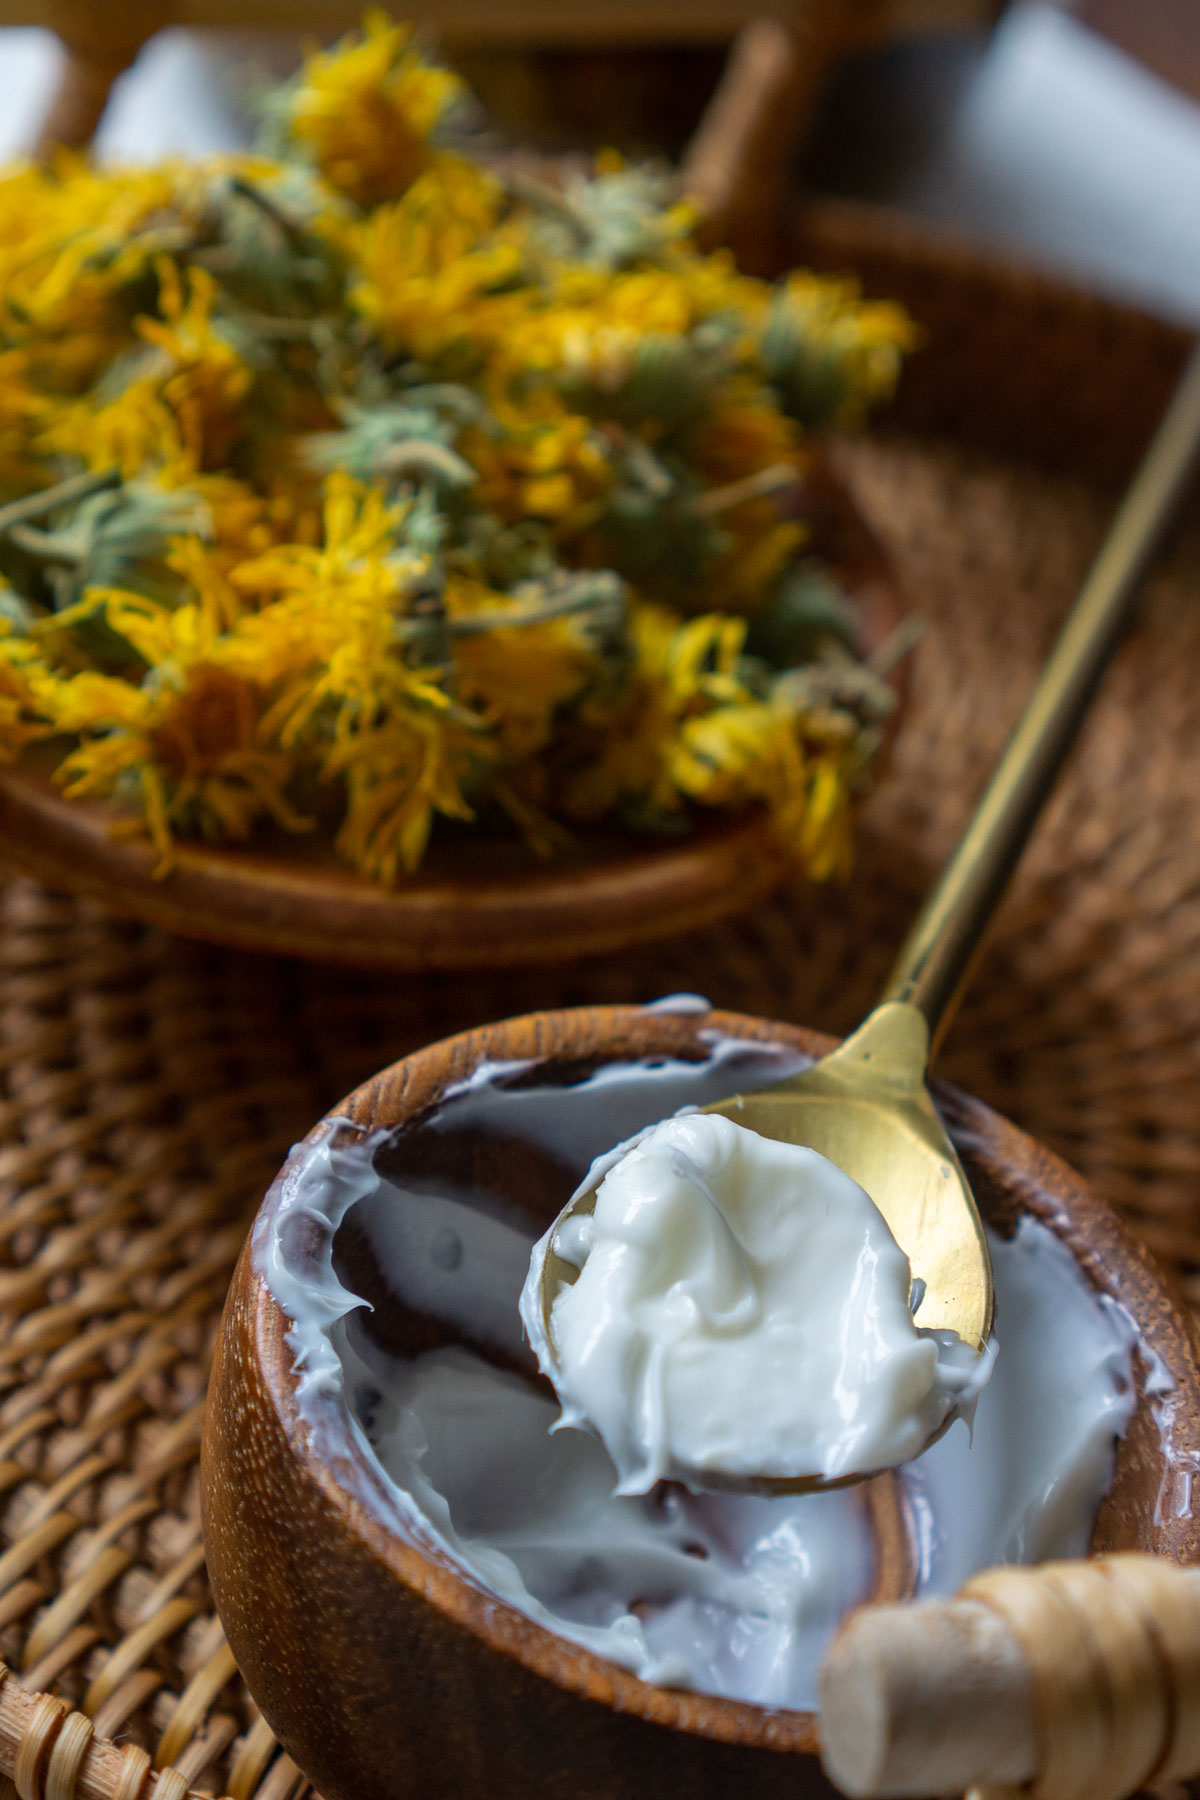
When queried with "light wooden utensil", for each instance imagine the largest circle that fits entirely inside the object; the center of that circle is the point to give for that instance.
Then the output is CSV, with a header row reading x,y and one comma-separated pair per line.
x,y
867,1106
1082,1678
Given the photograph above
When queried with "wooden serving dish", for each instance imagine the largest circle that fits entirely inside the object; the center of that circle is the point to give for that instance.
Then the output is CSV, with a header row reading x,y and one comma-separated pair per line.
x,y
389,1674
477,901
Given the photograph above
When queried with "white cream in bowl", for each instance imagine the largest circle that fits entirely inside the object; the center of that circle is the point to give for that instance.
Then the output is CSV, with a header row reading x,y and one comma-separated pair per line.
x,y
741,1309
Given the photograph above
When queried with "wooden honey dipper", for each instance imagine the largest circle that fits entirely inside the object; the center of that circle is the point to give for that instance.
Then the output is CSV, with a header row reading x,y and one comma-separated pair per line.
x,y
1069,1681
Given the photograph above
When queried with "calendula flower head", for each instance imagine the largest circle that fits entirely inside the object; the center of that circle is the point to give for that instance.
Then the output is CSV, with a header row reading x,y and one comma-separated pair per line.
x,y
516,674
828,354
180,408
359,481
182,742
553,470
681,670
19,720
436,273
22,410
367,109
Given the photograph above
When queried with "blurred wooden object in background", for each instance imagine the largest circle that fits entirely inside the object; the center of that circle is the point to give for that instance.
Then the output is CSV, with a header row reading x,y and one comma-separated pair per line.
x,y
780,56
101,41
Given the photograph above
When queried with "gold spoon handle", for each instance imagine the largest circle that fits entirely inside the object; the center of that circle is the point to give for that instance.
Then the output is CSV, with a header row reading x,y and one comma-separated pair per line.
x,y
933,964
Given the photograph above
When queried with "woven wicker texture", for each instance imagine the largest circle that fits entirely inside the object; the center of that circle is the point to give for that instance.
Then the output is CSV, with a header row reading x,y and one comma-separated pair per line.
x,y
148,1086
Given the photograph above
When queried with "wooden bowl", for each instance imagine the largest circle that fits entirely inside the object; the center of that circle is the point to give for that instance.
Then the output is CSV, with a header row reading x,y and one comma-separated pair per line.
x,y
389,1674
478,901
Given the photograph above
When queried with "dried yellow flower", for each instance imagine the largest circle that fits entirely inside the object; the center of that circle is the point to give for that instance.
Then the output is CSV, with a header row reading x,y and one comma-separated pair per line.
x,y
359,481
366,111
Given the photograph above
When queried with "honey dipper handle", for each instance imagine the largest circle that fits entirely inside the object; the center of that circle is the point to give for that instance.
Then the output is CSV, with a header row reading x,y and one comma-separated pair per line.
x,y
937,954
1081,1679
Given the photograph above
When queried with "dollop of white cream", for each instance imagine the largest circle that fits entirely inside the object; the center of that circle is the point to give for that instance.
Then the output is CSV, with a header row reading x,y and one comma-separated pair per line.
x,y
741,1309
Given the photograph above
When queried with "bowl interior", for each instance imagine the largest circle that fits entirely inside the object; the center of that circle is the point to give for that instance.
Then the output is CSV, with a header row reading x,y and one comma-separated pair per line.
x,y
423,1145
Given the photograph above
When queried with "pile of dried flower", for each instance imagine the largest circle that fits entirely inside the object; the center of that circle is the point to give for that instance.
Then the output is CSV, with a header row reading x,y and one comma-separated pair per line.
x,y
357,483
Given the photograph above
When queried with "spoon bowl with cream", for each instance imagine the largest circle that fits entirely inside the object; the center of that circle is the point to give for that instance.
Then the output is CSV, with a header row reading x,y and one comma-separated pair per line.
x,y
725,1305
737,1313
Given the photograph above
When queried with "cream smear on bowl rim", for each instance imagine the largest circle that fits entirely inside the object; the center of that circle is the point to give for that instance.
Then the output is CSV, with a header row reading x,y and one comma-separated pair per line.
x,y
728,1594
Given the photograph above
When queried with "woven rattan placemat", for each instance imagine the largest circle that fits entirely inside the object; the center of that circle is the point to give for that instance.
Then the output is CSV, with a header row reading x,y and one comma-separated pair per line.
x,y
149,1086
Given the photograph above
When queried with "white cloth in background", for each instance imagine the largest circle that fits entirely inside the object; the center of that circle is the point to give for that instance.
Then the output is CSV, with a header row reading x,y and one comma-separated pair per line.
x,y
1066,151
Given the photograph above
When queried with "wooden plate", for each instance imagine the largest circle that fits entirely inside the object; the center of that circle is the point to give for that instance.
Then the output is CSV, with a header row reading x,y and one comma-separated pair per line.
x,y
477,902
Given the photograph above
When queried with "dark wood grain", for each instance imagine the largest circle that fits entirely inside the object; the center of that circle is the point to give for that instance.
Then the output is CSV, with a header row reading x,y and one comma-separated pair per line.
x,y
389,1675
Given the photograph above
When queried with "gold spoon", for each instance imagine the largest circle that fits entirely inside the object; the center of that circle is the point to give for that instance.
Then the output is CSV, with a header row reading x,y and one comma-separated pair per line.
x,y
866,1105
